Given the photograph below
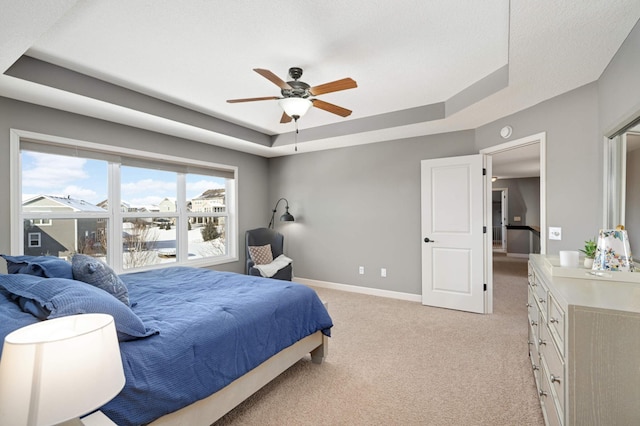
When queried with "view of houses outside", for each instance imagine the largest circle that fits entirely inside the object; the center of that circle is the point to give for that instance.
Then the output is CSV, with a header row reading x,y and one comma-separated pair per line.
x,y
149,213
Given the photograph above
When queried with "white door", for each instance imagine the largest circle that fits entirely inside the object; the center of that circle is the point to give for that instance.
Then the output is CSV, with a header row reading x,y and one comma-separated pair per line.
x,y
453,233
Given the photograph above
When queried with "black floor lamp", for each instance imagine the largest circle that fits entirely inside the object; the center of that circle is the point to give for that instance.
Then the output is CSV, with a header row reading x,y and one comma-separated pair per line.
x,y
286,217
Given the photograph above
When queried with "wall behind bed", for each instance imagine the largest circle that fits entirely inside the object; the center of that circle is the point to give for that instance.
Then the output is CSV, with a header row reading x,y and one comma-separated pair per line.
x,y
253,202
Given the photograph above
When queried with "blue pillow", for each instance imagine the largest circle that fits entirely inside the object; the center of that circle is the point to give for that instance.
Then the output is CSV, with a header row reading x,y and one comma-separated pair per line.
x,y
40,266
97,273
61,297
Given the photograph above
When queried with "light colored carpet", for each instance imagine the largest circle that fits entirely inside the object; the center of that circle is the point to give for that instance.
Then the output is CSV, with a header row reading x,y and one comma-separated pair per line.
x,y
394,362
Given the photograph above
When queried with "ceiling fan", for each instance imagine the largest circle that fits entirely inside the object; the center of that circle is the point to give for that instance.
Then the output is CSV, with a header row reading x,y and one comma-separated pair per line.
x,y
295,94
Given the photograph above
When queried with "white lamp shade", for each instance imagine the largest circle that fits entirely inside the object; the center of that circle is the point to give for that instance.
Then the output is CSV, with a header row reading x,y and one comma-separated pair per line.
x,y
59,369
295,106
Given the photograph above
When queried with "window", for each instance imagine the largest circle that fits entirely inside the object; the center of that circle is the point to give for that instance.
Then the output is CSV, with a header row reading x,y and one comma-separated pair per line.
x,y
33,239
133,209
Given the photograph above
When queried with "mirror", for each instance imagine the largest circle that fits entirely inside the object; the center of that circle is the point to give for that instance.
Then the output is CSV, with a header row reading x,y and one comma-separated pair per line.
x,y
622,171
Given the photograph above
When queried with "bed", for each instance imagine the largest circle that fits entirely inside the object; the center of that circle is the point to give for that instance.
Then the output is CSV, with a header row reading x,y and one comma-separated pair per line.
x,y
209,339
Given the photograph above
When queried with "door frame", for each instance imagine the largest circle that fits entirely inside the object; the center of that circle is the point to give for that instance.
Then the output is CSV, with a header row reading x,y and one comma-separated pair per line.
x,y
517,143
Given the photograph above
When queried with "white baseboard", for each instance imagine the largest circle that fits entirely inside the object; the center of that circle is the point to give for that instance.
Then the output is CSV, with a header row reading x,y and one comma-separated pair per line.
x,y
523,255
362,290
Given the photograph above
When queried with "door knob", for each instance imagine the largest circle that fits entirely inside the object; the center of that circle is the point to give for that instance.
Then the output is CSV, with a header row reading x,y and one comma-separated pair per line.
x,y
427,240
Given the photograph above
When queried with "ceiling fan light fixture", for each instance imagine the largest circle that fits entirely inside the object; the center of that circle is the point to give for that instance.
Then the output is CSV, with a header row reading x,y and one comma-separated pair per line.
x,y
295,107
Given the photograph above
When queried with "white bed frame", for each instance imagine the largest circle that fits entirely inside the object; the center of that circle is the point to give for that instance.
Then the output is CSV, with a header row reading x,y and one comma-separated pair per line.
x,y
208,410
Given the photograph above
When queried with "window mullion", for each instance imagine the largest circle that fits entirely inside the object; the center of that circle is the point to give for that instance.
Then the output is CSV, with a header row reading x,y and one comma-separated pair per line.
x,y
114,245
182,232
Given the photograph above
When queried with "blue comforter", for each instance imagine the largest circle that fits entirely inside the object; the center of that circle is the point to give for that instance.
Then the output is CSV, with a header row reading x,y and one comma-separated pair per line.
x,y
214,327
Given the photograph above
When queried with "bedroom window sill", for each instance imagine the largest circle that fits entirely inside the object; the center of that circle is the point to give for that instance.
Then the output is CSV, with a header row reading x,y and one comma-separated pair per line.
x,y
200,263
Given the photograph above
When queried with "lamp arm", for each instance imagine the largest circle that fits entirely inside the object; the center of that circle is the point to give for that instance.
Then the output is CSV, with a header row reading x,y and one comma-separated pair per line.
x,y
274,211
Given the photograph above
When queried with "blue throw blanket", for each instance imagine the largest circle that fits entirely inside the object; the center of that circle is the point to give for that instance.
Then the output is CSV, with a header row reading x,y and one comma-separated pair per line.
x,y
213,328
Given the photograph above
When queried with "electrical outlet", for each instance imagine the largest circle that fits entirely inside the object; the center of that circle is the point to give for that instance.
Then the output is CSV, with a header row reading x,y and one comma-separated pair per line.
x,y
555,233
383,272
361,270
517,218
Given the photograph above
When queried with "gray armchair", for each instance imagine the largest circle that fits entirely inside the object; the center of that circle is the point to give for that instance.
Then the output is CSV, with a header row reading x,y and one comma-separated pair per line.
x,y
261,237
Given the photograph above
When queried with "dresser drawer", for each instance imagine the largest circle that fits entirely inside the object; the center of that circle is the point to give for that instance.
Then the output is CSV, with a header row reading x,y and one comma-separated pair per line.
x,y
532,308
540,290
554,371
534,354
556,323
549,407
531,274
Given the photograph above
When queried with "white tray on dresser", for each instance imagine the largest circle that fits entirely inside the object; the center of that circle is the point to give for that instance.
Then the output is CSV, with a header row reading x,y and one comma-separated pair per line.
x,y
552,264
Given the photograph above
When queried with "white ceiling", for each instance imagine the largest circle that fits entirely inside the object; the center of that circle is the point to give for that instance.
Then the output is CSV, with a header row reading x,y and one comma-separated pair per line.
x,y
519,162
403,54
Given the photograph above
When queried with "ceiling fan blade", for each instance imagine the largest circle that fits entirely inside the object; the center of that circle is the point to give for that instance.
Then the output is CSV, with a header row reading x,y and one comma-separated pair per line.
x,y
273,78
334,86
285,118
266,98
335,109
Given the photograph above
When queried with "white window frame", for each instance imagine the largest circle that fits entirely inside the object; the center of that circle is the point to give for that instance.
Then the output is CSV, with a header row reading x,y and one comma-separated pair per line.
x,y
115,215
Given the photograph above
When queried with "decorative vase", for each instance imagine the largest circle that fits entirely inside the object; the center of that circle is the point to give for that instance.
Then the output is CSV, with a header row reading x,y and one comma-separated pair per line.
x,y
588,262
613,252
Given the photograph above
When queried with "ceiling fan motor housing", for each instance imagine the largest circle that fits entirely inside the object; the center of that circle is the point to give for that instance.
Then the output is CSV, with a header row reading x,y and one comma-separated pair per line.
x,y
299,89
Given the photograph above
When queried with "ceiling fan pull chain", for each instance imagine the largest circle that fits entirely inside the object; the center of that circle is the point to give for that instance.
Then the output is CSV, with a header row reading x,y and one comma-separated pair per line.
x,y
295,145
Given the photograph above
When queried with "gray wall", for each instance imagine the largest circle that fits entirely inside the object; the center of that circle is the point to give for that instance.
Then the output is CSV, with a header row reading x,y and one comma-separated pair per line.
x,y
360,206
619,86
523,201
252,176
573,160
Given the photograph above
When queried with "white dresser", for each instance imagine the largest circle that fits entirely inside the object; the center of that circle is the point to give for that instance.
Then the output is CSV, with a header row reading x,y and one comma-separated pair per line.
x,y
584,344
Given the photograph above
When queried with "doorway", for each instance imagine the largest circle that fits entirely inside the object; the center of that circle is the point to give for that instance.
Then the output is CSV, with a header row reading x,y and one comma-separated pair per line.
x,y
524,157
509,156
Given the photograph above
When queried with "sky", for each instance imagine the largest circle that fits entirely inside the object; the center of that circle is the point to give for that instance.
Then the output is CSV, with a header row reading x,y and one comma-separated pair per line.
x,y
85,179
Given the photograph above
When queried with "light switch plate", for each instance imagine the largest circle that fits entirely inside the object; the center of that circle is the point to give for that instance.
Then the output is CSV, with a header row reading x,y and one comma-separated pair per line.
x,y
555,233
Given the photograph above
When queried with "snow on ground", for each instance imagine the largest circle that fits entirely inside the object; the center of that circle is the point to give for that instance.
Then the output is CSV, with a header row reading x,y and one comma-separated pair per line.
x,y
165,248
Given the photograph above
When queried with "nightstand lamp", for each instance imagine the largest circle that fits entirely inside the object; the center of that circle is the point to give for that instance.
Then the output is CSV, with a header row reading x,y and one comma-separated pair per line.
x,y
55,371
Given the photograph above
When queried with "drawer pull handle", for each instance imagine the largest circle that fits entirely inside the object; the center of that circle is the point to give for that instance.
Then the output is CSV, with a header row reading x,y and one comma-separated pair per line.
x,y
553,320
542,393
541,300
528,305
535,367
533,323
554,378
530,342
541,342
